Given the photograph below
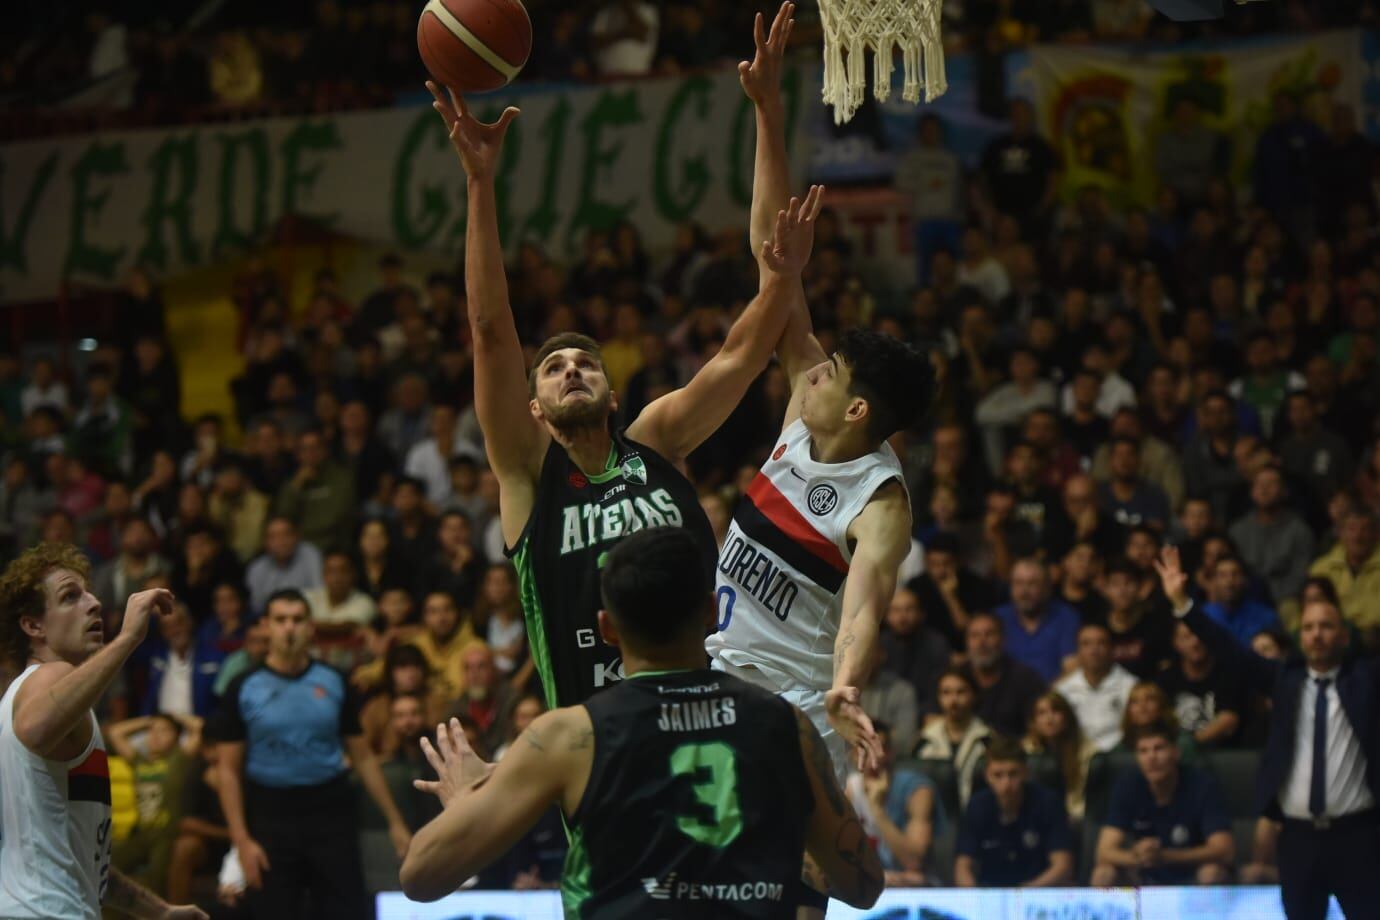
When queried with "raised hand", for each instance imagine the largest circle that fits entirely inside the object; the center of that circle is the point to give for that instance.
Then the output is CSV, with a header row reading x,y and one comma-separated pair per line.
x,y
478,144
456,764
1172,577
761,77
788,251
844,708
140,607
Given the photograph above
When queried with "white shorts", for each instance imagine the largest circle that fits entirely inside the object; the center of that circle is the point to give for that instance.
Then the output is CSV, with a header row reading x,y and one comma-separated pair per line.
x,y
808,701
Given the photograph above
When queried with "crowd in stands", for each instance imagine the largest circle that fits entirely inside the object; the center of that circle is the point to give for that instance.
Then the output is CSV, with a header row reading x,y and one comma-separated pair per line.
x,y
1203,373
313,55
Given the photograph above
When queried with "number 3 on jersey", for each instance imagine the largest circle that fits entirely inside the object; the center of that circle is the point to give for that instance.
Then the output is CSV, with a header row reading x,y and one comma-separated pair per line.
x,y
716,820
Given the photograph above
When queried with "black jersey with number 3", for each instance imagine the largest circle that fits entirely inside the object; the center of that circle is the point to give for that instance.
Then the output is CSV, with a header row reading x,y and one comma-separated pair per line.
x,y
697,801
575,521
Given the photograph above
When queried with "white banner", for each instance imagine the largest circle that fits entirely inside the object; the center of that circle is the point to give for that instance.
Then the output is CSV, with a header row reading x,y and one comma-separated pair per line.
x,y
656,153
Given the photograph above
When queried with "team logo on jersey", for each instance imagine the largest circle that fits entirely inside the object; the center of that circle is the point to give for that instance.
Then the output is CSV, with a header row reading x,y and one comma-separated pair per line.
x,y
634,470
578,480
779,452
822,499
657,889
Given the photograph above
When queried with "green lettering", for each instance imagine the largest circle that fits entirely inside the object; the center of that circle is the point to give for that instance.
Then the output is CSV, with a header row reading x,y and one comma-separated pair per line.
x,y
541,222
613,110
174,155
12,254
306,139
253,143
434,201
100,161
676,203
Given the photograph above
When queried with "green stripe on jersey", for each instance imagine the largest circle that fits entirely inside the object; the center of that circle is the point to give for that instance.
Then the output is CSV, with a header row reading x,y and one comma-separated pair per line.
x,y
575,882
536,622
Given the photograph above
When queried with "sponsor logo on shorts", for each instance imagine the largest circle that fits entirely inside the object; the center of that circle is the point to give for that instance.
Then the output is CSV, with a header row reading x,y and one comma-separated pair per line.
x,y
672,889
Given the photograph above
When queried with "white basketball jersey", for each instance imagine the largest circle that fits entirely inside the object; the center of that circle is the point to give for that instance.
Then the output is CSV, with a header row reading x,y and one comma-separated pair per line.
x,y
783,564
54,826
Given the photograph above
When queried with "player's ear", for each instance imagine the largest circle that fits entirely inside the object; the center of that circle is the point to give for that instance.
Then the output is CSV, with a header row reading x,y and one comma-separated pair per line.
x,y
607,631
535,408
32,627
857,410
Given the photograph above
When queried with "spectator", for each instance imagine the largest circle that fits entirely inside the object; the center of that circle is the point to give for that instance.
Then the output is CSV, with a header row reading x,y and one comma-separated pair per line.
x,y
1207,698
1140,633
1188,154
406,673
1020,170
485,699
1353,567
1126,497
238,509
1098,689
949,593
931,175
338,606
455,567
623,37
980,270
1079,519
287,728
1229,606
406,423
1167,824
414,529
1149,705
287,562
1114,392
268,464
912,650
464,488
245,658
443,638
891,699
362,453
1272,540
378,309
499,609
1288,155
205,562
1014,833
45,391
1054,732
202,837
320,497
160,770
1313,453
1005,687
182,674
900,812
101,430
22,504
1009,403
1040,632
429,460
1209,468
1077,574
1266,385
223,633
380,569
138,560
958,736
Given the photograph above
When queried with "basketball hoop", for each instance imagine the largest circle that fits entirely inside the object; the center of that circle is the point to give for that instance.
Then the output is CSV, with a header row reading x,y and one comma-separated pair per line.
x,y
853,26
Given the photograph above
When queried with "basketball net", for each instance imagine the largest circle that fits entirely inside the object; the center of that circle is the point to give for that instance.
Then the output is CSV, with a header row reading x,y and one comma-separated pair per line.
x,y
852,26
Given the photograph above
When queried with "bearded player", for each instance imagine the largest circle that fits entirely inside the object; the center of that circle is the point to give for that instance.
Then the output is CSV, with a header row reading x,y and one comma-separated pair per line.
x,y
569,486
810,560
54,780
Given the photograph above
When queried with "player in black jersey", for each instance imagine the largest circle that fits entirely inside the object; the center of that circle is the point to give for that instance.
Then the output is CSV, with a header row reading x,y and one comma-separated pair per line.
x,y
569,487
692,793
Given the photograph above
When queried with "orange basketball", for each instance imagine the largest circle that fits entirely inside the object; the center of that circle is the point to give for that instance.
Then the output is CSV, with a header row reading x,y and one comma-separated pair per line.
x,y
474,45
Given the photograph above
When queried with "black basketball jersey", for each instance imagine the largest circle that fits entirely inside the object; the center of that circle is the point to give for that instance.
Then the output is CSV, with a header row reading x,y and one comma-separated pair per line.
x,y
576,519
697,801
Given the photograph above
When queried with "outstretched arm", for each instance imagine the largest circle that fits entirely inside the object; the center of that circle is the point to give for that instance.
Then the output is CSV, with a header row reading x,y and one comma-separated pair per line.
x,y
881,535
678,422
513,439
798,350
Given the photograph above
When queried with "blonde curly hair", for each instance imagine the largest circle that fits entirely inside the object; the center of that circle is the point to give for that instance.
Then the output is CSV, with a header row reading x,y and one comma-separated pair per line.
x,y
22,594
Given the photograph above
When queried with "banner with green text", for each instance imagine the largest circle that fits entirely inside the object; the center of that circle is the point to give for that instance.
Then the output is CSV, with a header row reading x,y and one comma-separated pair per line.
x,y
1107,111
656,152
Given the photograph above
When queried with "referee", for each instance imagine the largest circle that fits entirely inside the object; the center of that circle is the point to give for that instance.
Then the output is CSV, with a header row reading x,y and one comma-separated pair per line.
x,y
286,728
1321,766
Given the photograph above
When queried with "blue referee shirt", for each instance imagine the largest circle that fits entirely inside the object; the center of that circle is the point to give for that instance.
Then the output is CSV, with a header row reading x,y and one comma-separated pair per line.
x,y
292,726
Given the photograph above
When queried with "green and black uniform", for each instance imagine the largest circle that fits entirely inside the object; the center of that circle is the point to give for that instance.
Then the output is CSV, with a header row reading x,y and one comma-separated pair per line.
x,y
697,802
575,521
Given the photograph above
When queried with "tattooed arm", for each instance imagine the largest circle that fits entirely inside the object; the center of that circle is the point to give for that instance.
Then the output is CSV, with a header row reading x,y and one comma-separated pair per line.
x,y
129,897
835,840
881,537
489,808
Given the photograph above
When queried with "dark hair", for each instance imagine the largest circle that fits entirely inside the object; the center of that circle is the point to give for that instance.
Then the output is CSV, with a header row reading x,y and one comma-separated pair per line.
x,y
1156,729
654,586
942,541
1120,565
1006,750
985,615
556,343
291,595
175,725
1135,445
893,377
403,655
959,674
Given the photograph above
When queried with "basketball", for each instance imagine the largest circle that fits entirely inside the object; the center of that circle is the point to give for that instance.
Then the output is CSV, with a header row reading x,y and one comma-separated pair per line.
x,y
474,45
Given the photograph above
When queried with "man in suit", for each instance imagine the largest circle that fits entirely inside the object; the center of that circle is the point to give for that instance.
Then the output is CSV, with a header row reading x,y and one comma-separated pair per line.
x,y
1321,767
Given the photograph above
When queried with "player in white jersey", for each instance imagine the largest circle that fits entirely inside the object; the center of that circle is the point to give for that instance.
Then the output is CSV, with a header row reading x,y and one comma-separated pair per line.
x,y
54,780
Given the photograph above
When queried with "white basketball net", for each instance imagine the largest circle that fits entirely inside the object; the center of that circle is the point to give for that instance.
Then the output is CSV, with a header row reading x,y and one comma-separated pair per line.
x,y
852,26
